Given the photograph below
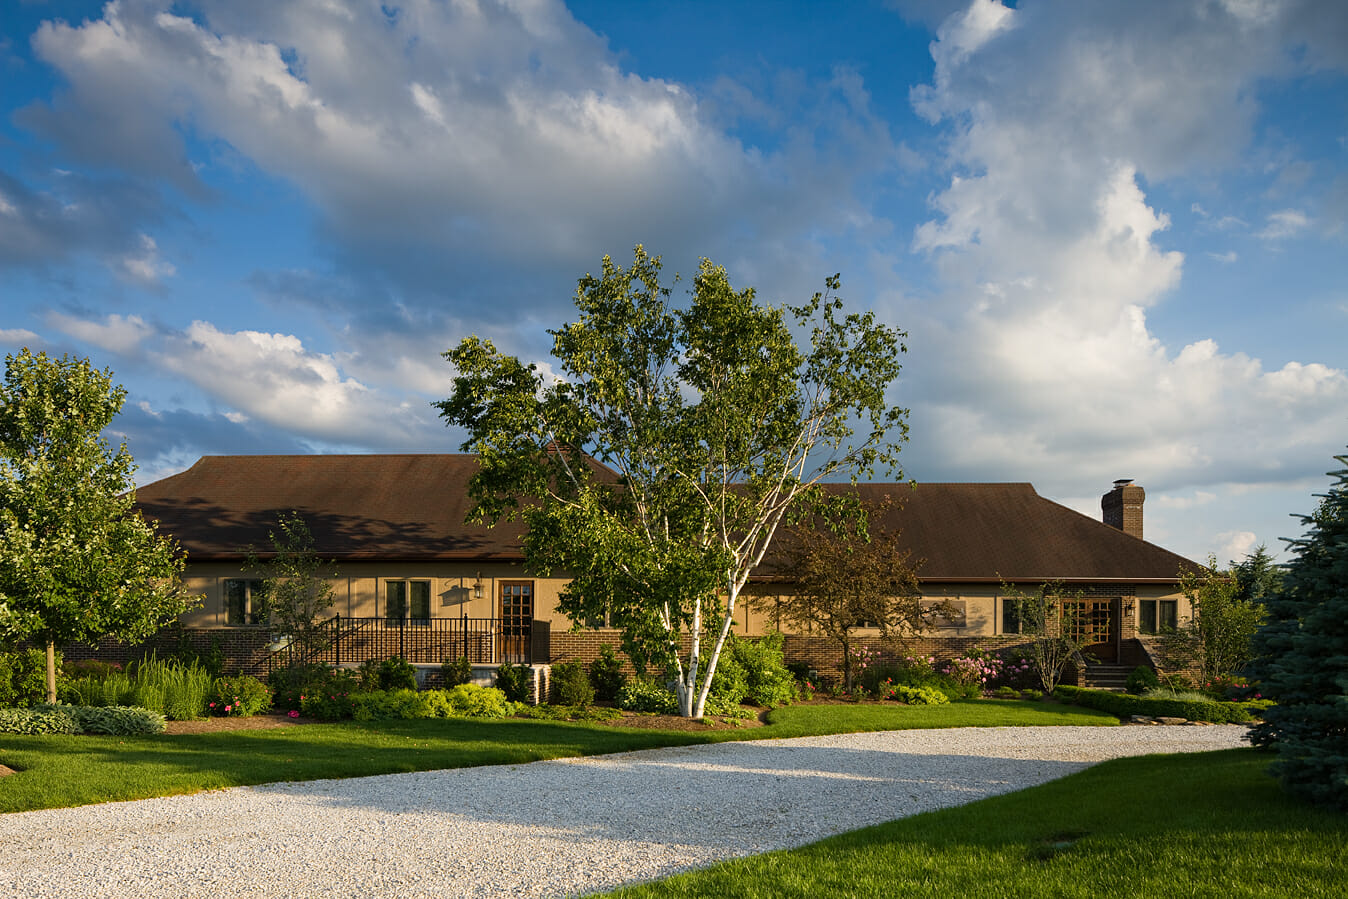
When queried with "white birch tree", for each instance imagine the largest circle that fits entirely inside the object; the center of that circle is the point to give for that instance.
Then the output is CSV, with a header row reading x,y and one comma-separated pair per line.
x,y
709,424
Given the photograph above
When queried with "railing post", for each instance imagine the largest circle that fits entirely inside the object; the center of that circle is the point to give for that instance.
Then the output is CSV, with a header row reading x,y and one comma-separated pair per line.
x,y
337,641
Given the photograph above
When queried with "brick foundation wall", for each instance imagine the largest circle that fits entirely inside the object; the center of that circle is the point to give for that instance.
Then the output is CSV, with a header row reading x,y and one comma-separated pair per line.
x,y
244,648
824,654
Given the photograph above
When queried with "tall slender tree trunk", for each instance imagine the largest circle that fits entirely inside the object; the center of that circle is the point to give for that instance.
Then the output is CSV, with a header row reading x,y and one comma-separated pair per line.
x,y
51,672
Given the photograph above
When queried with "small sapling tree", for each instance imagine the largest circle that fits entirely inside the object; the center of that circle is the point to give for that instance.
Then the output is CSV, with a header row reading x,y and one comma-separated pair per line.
x,y
77,562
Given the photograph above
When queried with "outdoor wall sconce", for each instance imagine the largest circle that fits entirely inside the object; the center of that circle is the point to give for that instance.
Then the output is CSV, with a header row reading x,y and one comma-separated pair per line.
x,y
477,586
1128,608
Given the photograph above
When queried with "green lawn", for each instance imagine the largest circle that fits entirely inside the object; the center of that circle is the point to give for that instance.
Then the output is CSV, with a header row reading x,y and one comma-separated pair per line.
x,y
61,771
1208,824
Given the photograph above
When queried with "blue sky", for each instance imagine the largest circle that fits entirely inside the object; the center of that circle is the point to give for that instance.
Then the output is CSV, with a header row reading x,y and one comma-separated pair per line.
x,y
1115,232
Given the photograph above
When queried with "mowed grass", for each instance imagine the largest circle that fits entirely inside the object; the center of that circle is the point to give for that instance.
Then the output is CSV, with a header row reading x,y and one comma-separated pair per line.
x,y
1208,824
62,771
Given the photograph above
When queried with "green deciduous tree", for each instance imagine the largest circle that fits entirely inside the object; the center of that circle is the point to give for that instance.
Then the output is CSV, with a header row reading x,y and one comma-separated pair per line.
x,y
296,588
1302,657
77,563
1217,635
1048,620
838,582
711,423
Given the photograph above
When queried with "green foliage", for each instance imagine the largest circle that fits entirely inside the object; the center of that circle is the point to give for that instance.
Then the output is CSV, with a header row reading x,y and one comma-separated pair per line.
x,y
1218,635
641,695
297,590
716,424
118,721
238,697
288,685
844,575
328,701
179,691
74,719
607,675
1141,679
767,681
571,685
213,659
23,677
913,695
1047,619
472,701
43,719
1125,706
77,563
456,671
515,681
397,674
384,704
568,713
1302,661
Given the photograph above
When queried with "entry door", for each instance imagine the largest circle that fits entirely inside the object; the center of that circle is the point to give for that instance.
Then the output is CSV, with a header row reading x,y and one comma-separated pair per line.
x,y
517,615
1095,624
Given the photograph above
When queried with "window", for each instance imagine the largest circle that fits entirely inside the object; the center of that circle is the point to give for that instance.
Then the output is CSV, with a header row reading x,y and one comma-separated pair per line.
x,y
1011,616
243,601
1158,616
517,607
944,612
409,600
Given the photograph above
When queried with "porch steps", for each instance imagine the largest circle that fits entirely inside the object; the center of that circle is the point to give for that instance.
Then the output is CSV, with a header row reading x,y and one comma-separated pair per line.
x,y
1106,677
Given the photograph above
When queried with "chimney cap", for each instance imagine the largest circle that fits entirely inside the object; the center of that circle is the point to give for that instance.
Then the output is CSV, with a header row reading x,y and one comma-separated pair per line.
x,y
1122,482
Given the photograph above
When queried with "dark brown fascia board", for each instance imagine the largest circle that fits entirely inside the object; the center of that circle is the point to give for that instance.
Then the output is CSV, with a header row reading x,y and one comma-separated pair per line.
x,y
362,557
770,579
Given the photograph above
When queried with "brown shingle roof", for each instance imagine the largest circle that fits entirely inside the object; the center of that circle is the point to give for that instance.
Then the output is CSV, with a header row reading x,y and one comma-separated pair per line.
x,y
412,507
995,532
395,507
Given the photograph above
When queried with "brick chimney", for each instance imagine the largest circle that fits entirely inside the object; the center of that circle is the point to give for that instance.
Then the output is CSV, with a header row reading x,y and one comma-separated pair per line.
x,y
1122,507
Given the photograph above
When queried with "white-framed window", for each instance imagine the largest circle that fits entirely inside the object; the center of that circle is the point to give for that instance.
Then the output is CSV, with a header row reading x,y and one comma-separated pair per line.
x,y
243,601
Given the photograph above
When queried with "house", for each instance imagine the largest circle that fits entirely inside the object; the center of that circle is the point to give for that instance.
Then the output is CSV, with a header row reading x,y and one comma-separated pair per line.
x,y
415,580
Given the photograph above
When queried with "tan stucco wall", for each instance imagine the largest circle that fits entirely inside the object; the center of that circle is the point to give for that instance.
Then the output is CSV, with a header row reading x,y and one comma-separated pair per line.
x,y
359,589
359,592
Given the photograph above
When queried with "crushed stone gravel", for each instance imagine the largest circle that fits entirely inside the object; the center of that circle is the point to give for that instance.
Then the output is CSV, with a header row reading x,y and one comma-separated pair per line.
x,y
554,828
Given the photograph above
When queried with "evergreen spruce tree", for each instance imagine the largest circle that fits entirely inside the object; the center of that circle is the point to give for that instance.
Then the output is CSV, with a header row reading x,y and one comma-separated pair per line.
x,y
1302,658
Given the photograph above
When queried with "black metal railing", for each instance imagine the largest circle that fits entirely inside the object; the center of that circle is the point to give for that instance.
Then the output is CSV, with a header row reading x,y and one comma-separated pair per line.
x,y
483,641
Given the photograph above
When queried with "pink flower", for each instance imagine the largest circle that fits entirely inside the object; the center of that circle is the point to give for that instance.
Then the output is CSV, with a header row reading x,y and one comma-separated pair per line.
x,y
229,708
293,713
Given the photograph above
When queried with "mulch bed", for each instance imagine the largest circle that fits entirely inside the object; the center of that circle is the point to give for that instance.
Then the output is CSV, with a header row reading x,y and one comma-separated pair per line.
x,y
256,722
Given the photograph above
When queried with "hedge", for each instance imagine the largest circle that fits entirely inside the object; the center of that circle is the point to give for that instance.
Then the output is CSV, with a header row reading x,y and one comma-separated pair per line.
x,y
1125,706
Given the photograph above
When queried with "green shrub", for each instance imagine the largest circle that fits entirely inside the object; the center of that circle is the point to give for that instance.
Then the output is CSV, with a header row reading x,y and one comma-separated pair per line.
x,y
81,668
767,680
472,701
287,685
1124,706
327,702
607,675
730,682
118,721
387,704
456,671
515,681
641,695
913,695
40,720
1141,679
571,684
23,677
397,674
1006,693
239,697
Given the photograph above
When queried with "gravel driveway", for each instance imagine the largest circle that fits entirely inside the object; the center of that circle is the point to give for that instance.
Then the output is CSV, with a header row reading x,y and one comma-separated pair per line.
x,y
547,828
